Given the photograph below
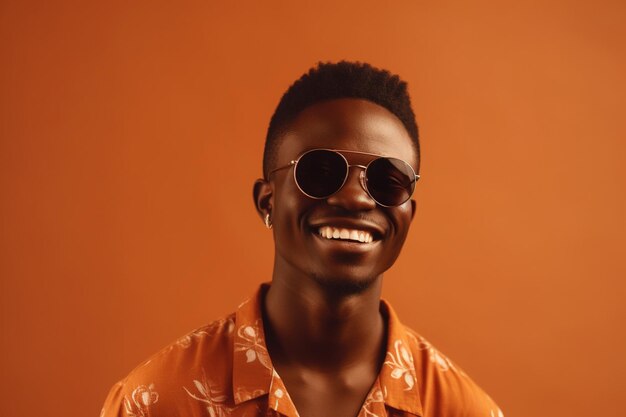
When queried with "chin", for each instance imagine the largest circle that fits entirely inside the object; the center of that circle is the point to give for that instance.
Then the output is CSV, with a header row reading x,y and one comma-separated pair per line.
x,y
345,285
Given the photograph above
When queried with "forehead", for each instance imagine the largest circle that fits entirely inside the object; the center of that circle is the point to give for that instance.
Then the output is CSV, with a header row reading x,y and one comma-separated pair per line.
x,y
348,124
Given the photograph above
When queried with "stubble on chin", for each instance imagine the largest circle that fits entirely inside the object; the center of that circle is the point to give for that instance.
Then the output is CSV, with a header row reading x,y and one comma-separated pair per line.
x,y
341,286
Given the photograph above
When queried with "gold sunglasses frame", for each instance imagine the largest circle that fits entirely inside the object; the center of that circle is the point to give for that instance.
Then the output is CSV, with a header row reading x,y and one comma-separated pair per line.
x,y
362,175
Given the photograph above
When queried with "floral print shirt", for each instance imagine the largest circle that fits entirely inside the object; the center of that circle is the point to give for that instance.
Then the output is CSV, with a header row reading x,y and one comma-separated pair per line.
x,y
223,370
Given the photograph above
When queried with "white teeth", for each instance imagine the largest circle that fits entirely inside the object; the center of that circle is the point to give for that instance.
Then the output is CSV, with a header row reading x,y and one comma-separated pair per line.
x,y
345,234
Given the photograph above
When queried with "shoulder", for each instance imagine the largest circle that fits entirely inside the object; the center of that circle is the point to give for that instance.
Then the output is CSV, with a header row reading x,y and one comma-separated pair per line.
x,y
208,344
176,371
445,389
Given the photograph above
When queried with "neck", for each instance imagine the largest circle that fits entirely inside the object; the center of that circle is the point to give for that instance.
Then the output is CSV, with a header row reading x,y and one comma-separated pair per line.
x,y
309,325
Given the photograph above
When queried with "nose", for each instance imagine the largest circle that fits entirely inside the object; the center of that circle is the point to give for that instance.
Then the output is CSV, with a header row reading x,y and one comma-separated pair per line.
x,y
353,196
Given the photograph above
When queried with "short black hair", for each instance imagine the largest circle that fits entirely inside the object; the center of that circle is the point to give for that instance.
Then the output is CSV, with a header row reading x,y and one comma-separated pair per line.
x,y
328,81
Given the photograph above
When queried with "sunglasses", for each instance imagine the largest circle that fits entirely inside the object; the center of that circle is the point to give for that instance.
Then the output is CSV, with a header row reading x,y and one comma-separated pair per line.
x,y
320,173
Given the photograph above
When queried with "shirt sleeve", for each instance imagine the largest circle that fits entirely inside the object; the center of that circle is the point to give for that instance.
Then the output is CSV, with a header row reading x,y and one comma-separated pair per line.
x,y
113,406
136,400
473,401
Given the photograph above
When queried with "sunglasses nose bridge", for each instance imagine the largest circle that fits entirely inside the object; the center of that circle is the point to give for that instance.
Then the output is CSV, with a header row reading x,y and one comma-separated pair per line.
x,y
349,194
361,176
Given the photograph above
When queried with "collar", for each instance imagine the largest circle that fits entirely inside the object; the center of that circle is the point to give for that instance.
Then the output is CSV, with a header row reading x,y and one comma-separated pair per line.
x,y
254,374
397,377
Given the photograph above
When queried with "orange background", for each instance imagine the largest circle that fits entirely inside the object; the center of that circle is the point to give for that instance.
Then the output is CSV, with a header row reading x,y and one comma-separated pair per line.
x,y
132,132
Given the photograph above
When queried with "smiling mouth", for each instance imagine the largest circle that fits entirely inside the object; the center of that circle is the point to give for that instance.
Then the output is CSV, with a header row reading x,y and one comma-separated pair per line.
x,y
350,235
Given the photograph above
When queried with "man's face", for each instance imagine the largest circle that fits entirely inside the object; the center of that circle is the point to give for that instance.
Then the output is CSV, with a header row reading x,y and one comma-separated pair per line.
x,y
345,124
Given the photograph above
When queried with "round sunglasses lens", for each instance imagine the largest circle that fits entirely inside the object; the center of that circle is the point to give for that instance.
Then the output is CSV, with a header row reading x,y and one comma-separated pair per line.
x,y
390,181
320,173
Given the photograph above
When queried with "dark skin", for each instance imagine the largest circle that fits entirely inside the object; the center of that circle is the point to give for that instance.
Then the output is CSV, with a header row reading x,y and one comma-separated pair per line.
x,y
324,329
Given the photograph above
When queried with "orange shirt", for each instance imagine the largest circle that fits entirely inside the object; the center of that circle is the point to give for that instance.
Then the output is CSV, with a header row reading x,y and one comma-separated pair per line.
x,y
224,369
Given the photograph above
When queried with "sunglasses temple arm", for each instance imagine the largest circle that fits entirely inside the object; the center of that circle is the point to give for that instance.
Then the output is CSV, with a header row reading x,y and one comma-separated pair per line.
x,y
293,162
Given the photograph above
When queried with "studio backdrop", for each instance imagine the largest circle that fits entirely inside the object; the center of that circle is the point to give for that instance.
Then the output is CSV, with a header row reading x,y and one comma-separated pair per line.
x,y
131,133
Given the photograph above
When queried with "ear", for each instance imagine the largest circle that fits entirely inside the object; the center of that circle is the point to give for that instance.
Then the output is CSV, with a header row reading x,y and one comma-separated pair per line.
x,y
263,196
413,208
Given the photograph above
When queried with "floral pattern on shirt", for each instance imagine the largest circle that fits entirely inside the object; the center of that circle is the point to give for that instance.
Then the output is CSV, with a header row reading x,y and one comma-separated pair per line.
x,y
251,342
374,402
401,363
436,357
279,399
211,395
243,394
140,400
224,370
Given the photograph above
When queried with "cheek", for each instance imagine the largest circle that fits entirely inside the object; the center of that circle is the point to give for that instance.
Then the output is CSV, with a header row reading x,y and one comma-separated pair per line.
x,y
289,207
405,210
402,217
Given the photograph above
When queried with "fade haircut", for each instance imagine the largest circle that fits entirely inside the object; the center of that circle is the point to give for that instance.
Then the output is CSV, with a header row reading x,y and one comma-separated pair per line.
x,y
328,81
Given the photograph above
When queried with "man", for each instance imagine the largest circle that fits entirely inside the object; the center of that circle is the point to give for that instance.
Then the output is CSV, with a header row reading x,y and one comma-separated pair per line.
x,y
340,165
